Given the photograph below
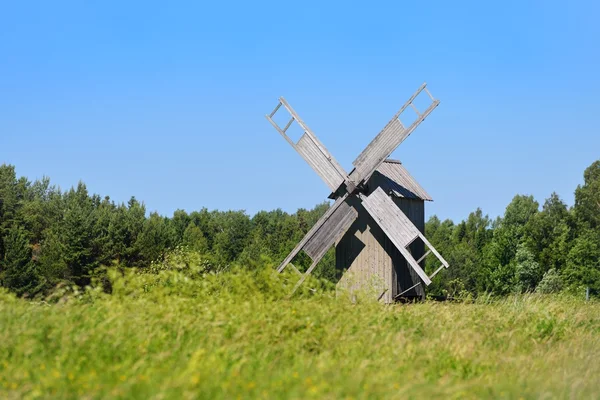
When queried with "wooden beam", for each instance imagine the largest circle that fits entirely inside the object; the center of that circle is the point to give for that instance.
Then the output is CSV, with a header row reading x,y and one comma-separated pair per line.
x,y
433,250
282,133
423,257
275,110
312,232
332,161
381,295
390,137
295,269
306,274
288,124
437,270
407,290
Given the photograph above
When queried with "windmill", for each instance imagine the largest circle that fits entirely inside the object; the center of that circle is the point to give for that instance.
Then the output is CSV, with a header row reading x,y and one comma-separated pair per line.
x,y
357,198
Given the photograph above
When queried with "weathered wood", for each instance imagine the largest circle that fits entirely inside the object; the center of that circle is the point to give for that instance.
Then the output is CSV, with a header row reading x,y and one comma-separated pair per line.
x,y
337,225
407,290
382,293
311,149
288,124
396,180
329,233
295,269
437,270
391,219
364,256
312,231
423,256
390,137
325,155
281,132
379,149
304,276
415,109
275,110
434,251
404,275
395,224
370,259
391,245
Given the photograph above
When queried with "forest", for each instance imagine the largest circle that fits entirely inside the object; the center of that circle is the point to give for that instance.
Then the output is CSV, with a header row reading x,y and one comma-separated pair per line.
x,y
105,300
51,238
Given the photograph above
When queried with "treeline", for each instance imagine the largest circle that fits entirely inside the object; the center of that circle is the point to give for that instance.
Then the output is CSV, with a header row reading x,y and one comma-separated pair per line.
x,y
49,237
527,249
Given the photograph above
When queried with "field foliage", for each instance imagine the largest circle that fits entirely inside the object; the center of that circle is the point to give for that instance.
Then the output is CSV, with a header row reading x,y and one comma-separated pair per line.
x,y
177,331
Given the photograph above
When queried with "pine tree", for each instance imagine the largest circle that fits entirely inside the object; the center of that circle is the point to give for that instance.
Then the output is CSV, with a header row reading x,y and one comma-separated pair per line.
x,y
19,272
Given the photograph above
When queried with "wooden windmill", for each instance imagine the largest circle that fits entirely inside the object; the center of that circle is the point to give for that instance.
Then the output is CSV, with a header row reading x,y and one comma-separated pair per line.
x,y
362,195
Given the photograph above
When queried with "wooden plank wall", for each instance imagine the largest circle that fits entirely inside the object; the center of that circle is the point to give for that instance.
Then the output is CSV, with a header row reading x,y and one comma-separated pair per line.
x,y
372,262
367,263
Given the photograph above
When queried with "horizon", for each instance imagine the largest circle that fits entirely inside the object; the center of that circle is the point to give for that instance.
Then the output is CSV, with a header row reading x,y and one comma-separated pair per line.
x,y
149,211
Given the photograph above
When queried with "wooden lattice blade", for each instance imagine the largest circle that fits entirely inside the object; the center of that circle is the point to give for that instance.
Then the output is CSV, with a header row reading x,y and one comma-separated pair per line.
x,y
324,234
311,149
397,227
390,137
340,215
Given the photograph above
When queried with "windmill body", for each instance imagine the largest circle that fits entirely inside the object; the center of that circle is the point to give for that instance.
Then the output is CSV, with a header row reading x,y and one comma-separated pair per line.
x,y
378,206
370,260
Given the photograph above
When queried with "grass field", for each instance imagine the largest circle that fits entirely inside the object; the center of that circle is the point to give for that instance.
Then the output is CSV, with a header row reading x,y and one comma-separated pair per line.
x,y
168,336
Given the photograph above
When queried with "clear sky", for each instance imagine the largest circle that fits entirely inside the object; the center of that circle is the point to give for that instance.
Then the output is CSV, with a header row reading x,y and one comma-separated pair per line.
x,y
165,101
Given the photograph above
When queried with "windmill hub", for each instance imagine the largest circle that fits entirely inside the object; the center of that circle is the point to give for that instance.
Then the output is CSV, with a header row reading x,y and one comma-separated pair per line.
x,y
377,219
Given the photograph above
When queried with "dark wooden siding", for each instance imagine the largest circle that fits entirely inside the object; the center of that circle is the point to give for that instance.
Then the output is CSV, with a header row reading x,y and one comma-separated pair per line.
x,y
403,275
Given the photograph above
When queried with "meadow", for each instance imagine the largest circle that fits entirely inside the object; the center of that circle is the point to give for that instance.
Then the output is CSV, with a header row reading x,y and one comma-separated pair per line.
x,y
183,333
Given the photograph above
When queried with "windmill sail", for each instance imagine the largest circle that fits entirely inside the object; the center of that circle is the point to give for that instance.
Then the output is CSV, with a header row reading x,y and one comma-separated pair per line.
x,y
398,228
331,230
311,149
390,137
328,229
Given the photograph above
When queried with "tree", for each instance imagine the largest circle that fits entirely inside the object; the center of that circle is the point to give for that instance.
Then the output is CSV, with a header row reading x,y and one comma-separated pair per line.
x,y
76,234
587,198
527,270
19,271
519,211
194,239
48,237
233,228
156,238
499,255
12,193
180,222
53,267
125,225
583,261
548,234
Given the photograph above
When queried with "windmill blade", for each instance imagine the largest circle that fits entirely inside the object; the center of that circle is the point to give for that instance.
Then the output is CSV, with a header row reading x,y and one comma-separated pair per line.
x,y
398,228
311,149
328,230
390,137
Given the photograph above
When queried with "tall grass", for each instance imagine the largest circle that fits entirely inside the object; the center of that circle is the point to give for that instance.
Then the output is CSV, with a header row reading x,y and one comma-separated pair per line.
x,y
184,333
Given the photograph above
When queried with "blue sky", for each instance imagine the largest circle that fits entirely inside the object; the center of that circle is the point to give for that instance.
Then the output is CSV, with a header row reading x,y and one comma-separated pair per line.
x,y
165,101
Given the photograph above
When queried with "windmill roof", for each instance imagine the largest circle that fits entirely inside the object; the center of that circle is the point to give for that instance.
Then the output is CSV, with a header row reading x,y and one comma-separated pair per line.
x,y
398,181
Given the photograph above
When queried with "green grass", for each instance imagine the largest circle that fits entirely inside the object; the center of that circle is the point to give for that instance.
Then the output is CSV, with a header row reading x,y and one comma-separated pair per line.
x,y
169,336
